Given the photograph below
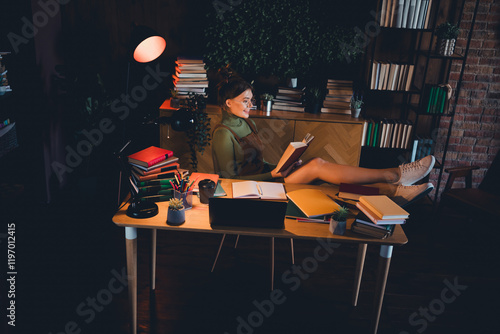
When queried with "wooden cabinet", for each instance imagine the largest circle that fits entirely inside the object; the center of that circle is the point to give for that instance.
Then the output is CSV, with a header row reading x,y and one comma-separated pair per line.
x,y
337,137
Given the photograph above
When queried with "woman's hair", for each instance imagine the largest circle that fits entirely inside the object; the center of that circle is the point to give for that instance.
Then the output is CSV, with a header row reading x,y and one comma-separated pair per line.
x,y
230,85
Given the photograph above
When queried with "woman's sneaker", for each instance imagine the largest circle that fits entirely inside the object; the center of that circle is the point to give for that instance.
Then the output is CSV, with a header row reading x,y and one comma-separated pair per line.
x,y
415,171
405,195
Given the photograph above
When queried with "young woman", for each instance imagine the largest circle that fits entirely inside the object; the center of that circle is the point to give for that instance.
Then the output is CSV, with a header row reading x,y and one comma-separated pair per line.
x,y
237,153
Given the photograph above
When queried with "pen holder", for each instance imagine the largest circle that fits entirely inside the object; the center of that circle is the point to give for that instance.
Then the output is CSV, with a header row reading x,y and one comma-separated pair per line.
x,y
187,198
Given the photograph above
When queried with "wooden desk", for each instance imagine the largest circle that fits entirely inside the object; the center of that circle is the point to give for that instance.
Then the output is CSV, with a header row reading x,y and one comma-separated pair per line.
x,y
197,221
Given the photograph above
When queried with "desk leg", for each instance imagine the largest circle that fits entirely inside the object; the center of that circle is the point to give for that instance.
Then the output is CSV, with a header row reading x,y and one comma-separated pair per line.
x,y
359,272
153,259
272,263
382,273
131,246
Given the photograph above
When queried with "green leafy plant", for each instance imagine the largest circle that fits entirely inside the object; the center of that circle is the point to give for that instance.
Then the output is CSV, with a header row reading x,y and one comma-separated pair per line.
x,y
199,133
356,101
285,38
340,214
267,97
314,94
175,204
447,30
173,93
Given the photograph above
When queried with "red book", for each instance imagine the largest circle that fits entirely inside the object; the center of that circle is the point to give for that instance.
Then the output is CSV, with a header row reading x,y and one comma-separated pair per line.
x,y
150,156
354,191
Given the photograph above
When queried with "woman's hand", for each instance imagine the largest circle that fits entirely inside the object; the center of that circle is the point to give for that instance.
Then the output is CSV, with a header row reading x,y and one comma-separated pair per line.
x,y
286,172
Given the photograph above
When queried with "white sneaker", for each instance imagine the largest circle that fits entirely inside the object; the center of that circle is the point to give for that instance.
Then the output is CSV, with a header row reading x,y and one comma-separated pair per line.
x,y
405,195
415,171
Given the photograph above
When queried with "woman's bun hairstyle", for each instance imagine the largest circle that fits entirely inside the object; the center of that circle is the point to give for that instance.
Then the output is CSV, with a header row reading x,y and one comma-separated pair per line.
x,y
230,85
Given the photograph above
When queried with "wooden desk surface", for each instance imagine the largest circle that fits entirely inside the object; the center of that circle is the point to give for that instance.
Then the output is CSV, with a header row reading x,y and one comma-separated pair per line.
x,y
197,221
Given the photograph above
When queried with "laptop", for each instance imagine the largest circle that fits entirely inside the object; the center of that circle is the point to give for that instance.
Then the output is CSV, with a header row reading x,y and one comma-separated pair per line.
x,y
239,212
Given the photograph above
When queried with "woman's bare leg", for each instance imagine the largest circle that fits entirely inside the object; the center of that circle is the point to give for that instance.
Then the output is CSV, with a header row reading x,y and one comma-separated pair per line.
x,y
319,169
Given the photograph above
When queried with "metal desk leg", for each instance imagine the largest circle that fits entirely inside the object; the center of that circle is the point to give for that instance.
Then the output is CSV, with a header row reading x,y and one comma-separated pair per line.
x,y
131,247
153,259
359,272
382,273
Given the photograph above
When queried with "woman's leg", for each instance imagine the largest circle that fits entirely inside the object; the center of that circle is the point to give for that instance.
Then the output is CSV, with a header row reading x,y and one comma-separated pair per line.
x,y
319,169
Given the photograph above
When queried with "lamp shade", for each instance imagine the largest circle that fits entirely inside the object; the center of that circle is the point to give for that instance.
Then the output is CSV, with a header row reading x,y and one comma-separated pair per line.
x,y
147,45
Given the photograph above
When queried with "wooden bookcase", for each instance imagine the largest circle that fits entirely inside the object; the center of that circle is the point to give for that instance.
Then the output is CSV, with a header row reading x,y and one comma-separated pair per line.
x,y
415,47
337,137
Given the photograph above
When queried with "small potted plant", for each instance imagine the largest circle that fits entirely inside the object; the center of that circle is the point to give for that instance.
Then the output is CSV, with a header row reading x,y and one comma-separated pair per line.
x,y
314,97
338,221
266,102
356,103
176,214
175,102
447,34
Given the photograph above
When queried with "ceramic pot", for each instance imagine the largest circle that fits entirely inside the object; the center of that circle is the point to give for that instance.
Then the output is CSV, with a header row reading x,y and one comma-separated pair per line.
x,y
266,106
446,47
176,217
175,103
337,227
355,112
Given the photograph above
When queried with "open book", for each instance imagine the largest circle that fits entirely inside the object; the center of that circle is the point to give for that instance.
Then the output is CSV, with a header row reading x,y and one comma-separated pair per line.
x,y
293,152
262,190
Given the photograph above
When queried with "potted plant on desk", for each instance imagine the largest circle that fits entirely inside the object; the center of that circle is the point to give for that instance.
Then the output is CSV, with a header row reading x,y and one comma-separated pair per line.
x,y
176,214
338,221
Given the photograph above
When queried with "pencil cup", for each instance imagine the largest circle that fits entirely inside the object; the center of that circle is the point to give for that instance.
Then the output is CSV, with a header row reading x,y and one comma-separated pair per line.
x,y
187,198
207,190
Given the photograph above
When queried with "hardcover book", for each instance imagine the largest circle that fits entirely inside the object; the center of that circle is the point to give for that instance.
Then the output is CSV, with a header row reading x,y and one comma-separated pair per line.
x,y
150,156
293,152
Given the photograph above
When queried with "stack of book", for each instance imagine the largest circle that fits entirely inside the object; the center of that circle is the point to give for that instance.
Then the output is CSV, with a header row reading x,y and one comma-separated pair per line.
x,y
152,173
387,133
391,76
410,14
190,77
338,97
289,99
422,147
4,83
436,98
378,216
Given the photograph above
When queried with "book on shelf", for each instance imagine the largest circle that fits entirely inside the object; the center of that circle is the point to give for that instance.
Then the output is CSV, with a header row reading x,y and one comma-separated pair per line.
x,y
354,191
293,152
150,156
312,202
383,207
410,14
289,99
262,190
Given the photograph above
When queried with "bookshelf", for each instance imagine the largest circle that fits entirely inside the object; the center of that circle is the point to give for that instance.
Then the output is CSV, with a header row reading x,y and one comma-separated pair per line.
x,y
397,45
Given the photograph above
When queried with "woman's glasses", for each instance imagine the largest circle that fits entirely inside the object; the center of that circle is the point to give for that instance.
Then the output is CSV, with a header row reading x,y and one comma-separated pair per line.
x,y
248,103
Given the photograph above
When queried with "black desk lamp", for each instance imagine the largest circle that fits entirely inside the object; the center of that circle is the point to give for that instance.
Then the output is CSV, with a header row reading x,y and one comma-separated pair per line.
x,y
145,46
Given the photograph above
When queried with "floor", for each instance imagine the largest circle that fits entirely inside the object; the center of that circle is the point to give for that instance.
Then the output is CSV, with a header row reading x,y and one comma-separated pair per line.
x,y
70,262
